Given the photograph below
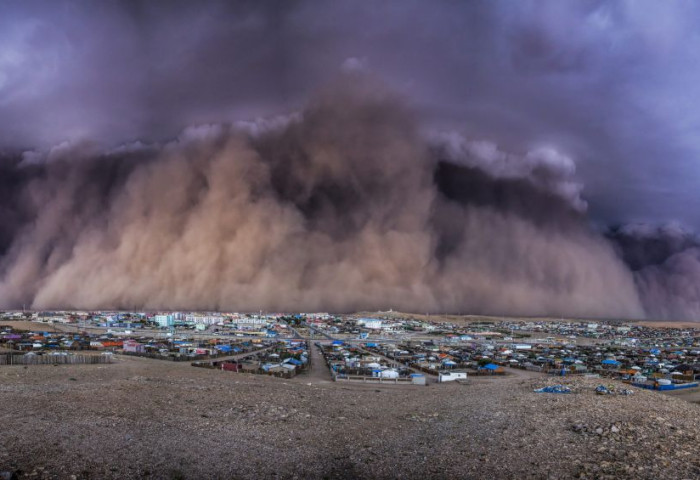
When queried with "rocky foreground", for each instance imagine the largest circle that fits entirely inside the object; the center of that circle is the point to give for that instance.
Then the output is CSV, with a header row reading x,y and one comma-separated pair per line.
x,y
143,418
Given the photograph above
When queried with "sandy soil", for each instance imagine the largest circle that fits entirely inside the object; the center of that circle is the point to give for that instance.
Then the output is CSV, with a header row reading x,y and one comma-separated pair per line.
x,y
33,326
689,395
495,318
457,319
143,418
657,324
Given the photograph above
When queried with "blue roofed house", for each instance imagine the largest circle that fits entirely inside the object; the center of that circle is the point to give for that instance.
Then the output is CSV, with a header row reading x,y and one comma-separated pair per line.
x,y
492,368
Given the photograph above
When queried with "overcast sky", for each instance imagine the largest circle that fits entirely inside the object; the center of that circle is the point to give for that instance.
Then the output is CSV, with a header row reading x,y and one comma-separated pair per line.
x,y
615,85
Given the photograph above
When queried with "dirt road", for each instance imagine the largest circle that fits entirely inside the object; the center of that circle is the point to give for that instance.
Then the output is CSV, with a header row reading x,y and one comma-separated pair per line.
x,y
319,372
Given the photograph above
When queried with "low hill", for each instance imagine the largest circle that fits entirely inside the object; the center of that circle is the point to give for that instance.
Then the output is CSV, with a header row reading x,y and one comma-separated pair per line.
x,y
141,418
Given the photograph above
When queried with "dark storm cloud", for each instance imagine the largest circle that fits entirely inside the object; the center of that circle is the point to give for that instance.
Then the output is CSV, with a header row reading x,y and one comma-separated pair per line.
x,y
520,105
13,213
342,207
610,83
643,245
665,261
115,71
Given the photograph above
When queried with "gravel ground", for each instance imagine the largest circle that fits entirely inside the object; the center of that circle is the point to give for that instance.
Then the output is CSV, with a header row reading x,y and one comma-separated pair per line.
x,y
146,418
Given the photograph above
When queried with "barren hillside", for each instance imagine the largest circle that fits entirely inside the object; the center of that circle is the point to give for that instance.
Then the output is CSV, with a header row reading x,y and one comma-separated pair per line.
x,y
146,418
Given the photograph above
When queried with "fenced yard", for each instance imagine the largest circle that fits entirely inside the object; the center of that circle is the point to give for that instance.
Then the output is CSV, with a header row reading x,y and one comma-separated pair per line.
x,y
49,359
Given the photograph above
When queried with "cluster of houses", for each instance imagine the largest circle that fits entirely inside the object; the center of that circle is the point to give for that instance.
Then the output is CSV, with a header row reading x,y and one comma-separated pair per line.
x,y
616,332
243,322
361,327
677,362
203,321
183,348
351,362
392,347
441,360
636,353
549,331
190,348
41,341
284,358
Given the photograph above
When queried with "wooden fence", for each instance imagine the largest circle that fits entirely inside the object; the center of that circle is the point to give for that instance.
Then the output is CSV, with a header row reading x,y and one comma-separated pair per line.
x,y
340,377
259,371
23,359
170,358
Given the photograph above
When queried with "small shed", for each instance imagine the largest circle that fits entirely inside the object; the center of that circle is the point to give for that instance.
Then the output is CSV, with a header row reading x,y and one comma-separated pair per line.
x,y
389,373
492,368
451,376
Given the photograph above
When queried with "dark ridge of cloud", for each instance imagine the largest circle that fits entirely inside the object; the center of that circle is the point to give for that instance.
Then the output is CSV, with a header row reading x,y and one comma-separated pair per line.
x,y
643,245
666,264
670,290
13,211
521,90
336,209
610,83
472,186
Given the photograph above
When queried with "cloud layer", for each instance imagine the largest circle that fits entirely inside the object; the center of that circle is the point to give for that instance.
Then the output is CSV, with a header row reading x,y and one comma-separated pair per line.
x,y
613,84
503,98
342,207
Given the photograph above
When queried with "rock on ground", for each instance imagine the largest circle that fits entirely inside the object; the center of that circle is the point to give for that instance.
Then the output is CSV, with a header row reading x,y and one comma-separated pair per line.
x,y
143,418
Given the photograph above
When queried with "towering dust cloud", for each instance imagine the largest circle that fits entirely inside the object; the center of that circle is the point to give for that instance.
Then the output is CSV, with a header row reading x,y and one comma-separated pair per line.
x,y
344,206
666,265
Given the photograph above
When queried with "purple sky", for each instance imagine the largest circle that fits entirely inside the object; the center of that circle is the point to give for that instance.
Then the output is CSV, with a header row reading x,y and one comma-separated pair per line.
x,y
612,84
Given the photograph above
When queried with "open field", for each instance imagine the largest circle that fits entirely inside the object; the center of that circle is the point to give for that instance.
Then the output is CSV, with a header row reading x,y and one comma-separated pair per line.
x,y
452,318
496,318
34,326
437,317
449,318
50,327
689,395
145,418
658,324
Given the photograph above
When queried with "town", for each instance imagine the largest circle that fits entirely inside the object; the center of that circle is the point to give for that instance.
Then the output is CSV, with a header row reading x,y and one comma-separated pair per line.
x,y
386,347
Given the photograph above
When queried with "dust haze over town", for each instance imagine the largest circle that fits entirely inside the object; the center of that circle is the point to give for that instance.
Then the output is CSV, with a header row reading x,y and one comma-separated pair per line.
x,y
179,180
487,158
